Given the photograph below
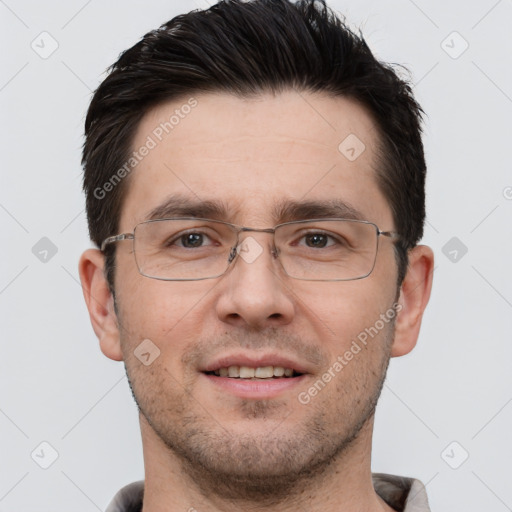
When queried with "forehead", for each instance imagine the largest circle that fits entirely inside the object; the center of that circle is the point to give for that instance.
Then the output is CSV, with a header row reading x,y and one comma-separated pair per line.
x,y
253,157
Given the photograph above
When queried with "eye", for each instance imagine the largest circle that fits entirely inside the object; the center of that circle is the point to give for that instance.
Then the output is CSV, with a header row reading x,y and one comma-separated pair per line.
x,y
190,240
318,240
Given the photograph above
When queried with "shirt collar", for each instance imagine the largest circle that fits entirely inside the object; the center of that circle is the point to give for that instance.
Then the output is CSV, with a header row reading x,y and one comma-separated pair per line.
x,y
402,493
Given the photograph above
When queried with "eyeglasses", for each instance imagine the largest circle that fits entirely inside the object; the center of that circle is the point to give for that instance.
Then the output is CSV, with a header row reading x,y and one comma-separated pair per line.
x,y
191,249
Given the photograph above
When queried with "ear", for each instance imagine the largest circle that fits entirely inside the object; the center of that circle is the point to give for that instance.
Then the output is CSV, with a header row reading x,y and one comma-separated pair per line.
x,y
414,296
100,303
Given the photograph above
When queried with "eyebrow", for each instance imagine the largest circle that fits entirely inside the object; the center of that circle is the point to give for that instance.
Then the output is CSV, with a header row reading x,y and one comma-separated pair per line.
x,y
284,211
288,210
181,206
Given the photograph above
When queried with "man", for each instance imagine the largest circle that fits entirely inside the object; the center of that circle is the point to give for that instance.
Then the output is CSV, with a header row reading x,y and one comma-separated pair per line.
x,y
255,186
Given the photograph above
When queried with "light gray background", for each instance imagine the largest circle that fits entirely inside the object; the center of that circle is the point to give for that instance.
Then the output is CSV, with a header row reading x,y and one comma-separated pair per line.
x,y
57,387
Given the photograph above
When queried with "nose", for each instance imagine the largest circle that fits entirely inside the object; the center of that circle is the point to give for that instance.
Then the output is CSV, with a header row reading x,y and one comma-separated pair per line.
x,y
255,292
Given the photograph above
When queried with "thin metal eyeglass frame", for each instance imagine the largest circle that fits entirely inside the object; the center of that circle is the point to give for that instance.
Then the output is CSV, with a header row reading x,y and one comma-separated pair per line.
x,y
241,229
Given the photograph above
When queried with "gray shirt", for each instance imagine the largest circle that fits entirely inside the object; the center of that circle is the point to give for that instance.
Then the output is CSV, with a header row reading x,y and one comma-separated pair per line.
x,y
401,493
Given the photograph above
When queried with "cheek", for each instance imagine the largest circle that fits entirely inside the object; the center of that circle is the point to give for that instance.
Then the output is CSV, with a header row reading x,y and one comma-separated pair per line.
x,y
342,311
360,361
359,318
169,314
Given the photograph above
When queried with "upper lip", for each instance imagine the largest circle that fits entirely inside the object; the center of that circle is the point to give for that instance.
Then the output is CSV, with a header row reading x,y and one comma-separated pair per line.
x,y
254,361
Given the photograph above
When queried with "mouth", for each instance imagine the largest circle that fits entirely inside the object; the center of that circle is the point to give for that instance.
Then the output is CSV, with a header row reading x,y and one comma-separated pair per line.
x,y
257,373
253,376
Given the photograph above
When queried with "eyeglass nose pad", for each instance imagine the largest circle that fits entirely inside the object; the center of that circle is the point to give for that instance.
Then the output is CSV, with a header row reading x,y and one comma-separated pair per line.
x,y
232,254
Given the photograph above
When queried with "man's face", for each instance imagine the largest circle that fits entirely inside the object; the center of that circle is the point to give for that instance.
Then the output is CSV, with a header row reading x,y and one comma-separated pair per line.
x,y
251,155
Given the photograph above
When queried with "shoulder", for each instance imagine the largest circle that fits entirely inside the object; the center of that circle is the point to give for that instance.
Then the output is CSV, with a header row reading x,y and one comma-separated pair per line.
x,y
402,493
128,499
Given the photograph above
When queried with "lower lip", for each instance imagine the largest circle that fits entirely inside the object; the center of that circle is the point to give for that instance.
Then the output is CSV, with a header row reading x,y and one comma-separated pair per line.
x,y
257,389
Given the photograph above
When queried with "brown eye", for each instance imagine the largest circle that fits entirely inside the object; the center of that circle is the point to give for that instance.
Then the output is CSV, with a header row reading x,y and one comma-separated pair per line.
x,y
316,240
191,240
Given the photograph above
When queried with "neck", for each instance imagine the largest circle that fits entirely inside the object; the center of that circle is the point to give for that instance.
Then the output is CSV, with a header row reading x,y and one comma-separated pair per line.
x,y
345,485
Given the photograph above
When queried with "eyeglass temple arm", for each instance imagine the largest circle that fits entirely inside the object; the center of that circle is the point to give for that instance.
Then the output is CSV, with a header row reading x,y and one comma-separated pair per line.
x,y
390,234
116,238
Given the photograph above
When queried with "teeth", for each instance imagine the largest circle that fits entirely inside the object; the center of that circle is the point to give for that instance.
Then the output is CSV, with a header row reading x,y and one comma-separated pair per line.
x,y
262,372
246,372
278,371
233,371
